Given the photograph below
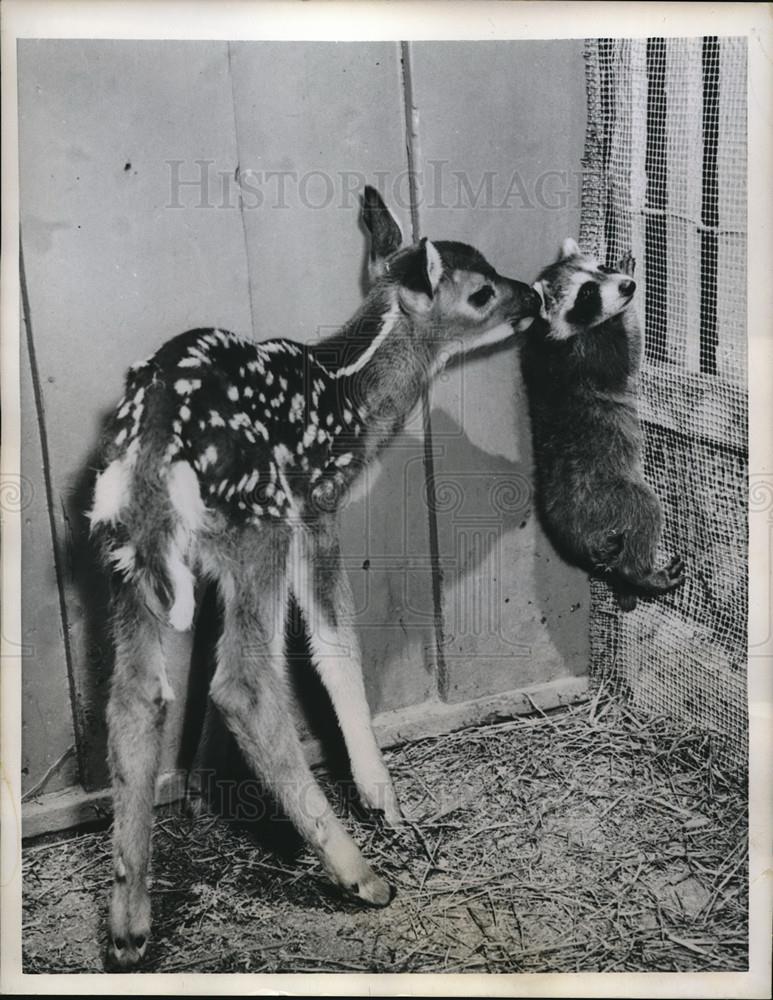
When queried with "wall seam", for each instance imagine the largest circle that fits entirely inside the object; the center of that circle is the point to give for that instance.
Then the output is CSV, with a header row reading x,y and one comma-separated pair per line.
x,y
411,124
239,185
77,721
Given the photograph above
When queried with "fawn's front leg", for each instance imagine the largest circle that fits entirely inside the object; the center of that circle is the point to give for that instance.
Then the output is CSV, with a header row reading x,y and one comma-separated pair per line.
x,y
135,715
249,689
321,588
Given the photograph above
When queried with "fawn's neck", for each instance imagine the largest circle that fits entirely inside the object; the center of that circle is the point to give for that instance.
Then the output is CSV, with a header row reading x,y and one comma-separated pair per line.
x,y
381,359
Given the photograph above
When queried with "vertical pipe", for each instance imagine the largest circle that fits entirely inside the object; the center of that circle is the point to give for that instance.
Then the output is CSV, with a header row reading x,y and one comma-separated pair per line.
x,y
413,156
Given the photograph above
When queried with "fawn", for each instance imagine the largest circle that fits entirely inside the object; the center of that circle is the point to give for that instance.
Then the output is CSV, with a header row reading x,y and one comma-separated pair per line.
x,y
226,459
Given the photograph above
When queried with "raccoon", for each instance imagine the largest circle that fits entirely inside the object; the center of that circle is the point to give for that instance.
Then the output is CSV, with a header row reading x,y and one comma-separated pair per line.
x,y
580,361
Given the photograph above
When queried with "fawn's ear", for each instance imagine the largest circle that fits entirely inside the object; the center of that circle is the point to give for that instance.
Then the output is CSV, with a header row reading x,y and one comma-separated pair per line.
x,y
421,278
385,233
569,248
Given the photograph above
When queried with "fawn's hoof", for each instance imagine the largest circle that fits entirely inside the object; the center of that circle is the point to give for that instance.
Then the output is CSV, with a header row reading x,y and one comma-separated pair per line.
x,y
125,953
392,816
380,799
372,890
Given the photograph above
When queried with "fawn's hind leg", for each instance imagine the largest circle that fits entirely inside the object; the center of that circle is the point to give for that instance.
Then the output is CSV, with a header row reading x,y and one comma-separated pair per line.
x,y
136,711
322,590
249,689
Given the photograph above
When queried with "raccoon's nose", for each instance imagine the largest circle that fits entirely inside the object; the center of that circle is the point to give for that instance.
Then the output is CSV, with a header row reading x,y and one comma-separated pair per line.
x,y
627,288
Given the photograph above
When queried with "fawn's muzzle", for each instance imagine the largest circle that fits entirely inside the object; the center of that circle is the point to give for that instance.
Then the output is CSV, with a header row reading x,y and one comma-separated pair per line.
x,y
526,305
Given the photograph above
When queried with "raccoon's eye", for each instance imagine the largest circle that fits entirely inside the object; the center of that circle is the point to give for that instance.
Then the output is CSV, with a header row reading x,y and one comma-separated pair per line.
x,y
586,291
481,297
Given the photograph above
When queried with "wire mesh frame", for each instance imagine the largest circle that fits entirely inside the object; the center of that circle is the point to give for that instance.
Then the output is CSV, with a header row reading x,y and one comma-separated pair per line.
x,y
665,176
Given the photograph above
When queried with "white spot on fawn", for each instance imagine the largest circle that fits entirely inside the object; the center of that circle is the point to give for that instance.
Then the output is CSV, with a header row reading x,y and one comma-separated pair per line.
x,y
215,420
183,487
209,457
111,492
233,393
185,386
296,408
166,693
123,559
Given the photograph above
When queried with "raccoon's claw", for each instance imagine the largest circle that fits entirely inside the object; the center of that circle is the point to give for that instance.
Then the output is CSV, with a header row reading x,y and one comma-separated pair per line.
x,y
675,571
670,577
627,264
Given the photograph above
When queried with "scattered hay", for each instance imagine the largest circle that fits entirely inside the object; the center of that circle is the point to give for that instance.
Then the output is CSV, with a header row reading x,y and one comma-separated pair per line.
x,y
591,840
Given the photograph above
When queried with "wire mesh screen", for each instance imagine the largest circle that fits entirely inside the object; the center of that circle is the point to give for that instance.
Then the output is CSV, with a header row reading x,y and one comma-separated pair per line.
x,y
665,176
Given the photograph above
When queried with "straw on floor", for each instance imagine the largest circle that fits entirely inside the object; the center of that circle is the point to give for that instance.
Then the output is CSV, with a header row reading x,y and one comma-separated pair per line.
x,y
591,840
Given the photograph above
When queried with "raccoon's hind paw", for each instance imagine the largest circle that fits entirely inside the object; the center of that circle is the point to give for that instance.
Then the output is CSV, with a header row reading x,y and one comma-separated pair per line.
x,y
627,602
668,578
627,264
606,555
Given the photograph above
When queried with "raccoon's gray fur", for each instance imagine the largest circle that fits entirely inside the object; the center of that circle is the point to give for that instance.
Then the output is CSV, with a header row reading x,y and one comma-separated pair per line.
x,y
580,362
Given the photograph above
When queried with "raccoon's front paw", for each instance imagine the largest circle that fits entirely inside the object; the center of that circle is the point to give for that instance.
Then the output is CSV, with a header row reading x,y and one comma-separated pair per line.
x,y
627,264
674,572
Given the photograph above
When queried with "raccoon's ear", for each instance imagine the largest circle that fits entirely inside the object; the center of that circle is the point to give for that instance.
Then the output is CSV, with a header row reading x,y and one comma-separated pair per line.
x,y
569,248
385,234
539,288
421,278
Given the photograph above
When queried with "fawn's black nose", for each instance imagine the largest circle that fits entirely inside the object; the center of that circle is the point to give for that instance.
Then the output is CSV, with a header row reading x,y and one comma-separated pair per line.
x,y
526,301
535,302
627,288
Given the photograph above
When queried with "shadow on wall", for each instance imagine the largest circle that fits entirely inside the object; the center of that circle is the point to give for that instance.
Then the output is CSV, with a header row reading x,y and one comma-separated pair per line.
x,y
90,635
490,498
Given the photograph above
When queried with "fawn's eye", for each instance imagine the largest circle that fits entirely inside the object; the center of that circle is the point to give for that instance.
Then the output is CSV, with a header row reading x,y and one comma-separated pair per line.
x,y
481,297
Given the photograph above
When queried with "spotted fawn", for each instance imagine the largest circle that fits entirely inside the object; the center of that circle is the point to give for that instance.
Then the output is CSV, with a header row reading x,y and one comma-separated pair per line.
x,y
226,460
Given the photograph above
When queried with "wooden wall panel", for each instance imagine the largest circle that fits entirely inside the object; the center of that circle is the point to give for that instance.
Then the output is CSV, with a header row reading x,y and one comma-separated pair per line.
x,y
500,146
114,268
305,150
48,734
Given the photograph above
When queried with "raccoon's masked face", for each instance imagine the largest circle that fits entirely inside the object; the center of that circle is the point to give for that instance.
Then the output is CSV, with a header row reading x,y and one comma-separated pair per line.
x,y
578,293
